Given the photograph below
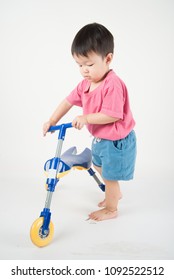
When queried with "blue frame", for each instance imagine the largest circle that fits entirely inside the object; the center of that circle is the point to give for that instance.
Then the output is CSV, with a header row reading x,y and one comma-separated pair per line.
x,y
54,165
53,180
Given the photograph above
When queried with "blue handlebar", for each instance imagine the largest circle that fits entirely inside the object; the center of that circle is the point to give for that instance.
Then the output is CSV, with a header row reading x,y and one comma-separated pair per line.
x,y
62,129
59,127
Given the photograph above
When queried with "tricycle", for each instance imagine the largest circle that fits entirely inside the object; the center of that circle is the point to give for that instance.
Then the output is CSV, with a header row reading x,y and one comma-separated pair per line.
x,y
42,229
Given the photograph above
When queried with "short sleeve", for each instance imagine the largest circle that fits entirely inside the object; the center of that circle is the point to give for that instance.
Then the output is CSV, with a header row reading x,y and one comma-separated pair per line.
x,y
113,101
75,97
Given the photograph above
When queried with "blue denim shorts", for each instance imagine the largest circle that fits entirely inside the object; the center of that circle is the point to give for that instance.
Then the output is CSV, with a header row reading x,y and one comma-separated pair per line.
x,y
116,158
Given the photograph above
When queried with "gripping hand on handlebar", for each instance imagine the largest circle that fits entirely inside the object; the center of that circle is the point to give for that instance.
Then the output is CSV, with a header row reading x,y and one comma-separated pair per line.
x,y
80,121
46,127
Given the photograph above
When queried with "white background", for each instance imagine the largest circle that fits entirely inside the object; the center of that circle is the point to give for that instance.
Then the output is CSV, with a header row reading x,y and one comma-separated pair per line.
x,y
36,73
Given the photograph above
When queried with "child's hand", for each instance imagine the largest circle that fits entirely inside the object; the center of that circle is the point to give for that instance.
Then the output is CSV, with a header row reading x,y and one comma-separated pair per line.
x,y
79,121
46,127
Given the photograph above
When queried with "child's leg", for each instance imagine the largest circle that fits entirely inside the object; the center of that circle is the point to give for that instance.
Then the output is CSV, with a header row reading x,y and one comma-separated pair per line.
x,y
112,194
103,203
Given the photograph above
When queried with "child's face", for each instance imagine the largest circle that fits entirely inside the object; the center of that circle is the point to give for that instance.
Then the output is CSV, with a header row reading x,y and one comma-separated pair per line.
x,y
94,66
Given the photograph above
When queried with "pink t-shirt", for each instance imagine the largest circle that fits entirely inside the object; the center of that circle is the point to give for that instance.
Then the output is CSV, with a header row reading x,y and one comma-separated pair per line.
x,y
110,98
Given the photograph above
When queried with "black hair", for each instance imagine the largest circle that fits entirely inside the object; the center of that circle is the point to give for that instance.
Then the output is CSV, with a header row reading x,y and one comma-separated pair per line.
x,y
93,37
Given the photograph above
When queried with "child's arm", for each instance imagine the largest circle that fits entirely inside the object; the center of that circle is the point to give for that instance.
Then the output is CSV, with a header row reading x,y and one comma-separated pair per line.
x,y
95,118
60,111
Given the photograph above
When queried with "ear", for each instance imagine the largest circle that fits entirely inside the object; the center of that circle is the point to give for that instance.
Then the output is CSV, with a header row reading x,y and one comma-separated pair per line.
x,y
109,57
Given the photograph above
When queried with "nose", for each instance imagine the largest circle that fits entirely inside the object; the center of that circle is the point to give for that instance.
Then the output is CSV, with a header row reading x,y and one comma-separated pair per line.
x,y
85,69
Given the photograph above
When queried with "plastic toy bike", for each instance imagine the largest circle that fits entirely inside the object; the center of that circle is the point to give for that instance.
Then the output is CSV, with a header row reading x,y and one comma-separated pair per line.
x,y
42,229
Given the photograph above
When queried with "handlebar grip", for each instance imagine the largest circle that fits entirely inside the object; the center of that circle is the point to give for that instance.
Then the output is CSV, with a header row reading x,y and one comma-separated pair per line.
x,y
59,127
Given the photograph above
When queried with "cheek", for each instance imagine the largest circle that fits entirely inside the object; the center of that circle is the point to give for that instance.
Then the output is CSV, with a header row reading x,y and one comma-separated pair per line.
x,y
81,70
97,71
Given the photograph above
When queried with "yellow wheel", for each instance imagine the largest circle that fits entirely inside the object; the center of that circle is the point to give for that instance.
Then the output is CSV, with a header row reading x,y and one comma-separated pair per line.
x,y
36,235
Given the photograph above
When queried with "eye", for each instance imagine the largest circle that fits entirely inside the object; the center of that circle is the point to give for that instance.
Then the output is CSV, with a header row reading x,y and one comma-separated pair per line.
x,y
90,64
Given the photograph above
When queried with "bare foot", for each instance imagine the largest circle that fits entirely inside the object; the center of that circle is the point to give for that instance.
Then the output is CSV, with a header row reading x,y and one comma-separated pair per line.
x,y
103,214
103,203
